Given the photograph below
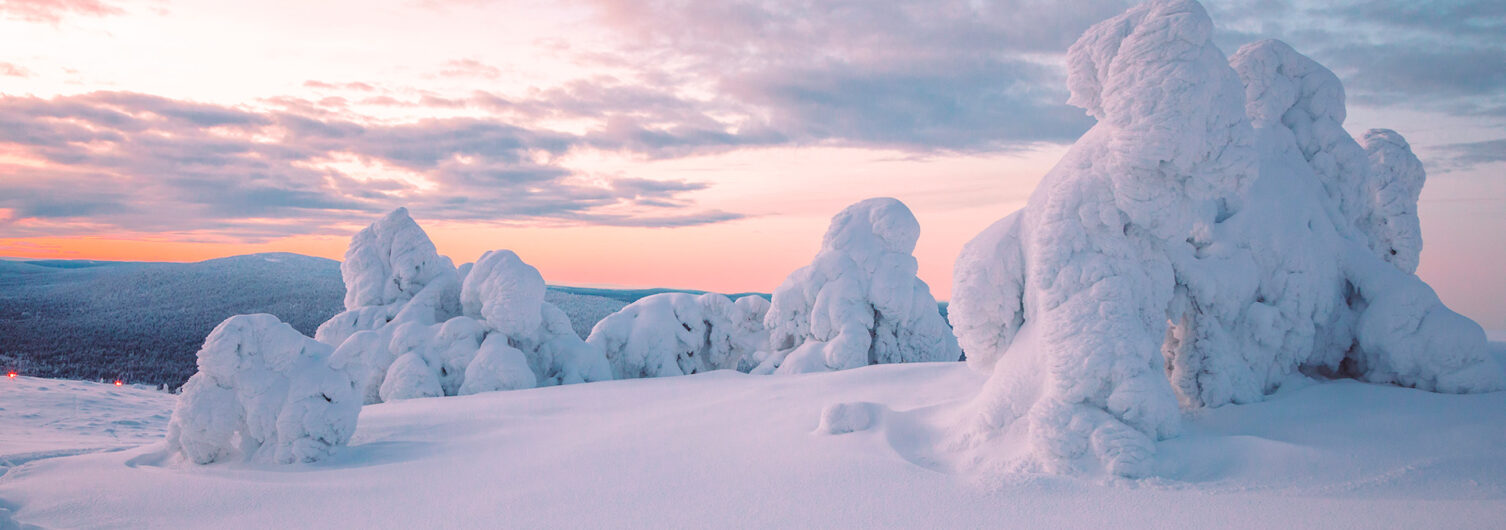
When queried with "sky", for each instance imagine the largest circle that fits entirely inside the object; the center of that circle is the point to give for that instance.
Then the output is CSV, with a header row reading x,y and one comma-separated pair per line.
x,y
691,144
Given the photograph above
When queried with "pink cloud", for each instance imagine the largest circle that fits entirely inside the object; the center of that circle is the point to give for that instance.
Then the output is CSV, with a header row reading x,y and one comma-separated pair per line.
x,y
54,10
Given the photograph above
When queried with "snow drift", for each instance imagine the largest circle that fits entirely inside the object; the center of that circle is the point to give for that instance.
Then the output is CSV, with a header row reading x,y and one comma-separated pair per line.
x,y
859,301
263,392
416,326
1216,232
680,334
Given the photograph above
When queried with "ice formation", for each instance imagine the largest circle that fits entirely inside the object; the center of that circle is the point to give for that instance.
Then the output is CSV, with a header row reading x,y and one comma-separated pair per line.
x,y
415,326
859,301
1216,232
263,392
679,334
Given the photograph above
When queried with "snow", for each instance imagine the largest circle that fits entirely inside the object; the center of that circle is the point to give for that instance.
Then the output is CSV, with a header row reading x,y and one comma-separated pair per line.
x,y
722,448
390,262
1395,185
677,334
859,301
263,392
1214,235
429,329
409,378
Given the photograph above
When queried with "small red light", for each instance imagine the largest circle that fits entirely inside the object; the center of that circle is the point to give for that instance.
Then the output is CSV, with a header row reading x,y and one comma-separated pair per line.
x,y
119,382
11,375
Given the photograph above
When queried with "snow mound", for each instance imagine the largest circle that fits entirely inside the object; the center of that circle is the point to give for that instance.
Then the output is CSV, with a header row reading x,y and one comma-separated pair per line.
x,y
263,392
438,320
1217,219
679,334
859,301
843,418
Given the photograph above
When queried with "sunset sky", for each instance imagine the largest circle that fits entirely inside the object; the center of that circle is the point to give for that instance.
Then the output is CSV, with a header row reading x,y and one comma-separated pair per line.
x,y
679,144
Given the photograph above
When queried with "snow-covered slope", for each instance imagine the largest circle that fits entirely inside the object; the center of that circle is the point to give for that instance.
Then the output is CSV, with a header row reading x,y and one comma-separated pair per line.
x,y
724,449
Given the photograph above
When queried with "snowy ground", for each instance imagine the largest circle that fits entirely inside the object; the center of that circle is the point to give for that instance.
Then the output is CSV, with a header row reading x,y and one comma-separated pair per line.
x,y
726,449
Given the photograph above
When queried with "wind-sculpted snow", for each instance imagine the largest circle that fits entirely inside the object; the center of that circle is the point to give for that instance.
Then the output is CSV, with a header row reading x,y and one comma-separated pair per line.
x,y
681,334
859,301
431,337
1396,178
263,392
1219,219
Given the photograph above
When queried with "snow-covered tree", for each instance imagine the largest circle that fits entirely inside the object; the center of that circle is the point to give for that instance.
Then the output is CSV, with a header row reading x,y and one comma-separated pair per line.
x,y
442,316
1395,184
859,301
677,334
1217,218
263,392
392,267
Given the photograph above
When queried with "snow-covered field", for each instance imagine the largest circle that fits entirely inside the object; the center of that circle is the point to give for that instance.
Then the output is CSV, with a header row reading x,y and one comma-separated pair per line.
x,y
724,449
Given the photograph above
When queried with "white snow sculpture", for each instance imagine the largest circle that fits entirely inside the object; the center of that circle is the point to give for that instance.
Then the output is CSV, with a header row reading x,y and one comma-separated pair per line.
x,y
1227,201
263,392
679,334
443,317
859,301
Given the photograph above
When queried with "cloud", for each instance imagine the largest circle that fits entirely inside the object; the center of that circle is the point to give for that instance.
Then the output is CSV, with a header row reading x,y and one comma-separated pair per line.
x,y
1468,154
137,162
355,86
1444,56
53,11
914,75
13,70
469,68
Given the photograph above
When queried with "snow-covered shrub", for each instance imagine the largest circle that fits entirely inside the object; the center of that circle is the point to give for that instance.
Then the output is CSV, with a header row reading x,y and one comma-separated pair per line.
x,y
859,301
263,392
497,366
678,334
410,377
507,297
436,319
1217,218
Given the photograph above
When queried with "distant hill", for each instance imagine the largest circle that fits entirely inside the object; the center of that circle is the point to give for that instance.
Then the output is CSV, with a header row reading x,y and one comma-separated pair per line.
x,y
144,322
628,296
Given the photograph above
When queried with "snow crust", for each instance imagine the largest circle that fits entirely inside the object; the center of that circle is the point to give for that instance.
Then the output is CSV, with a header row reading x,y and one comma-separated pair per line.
x,y
423,337
859,301
263,392
679,334
1214,234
